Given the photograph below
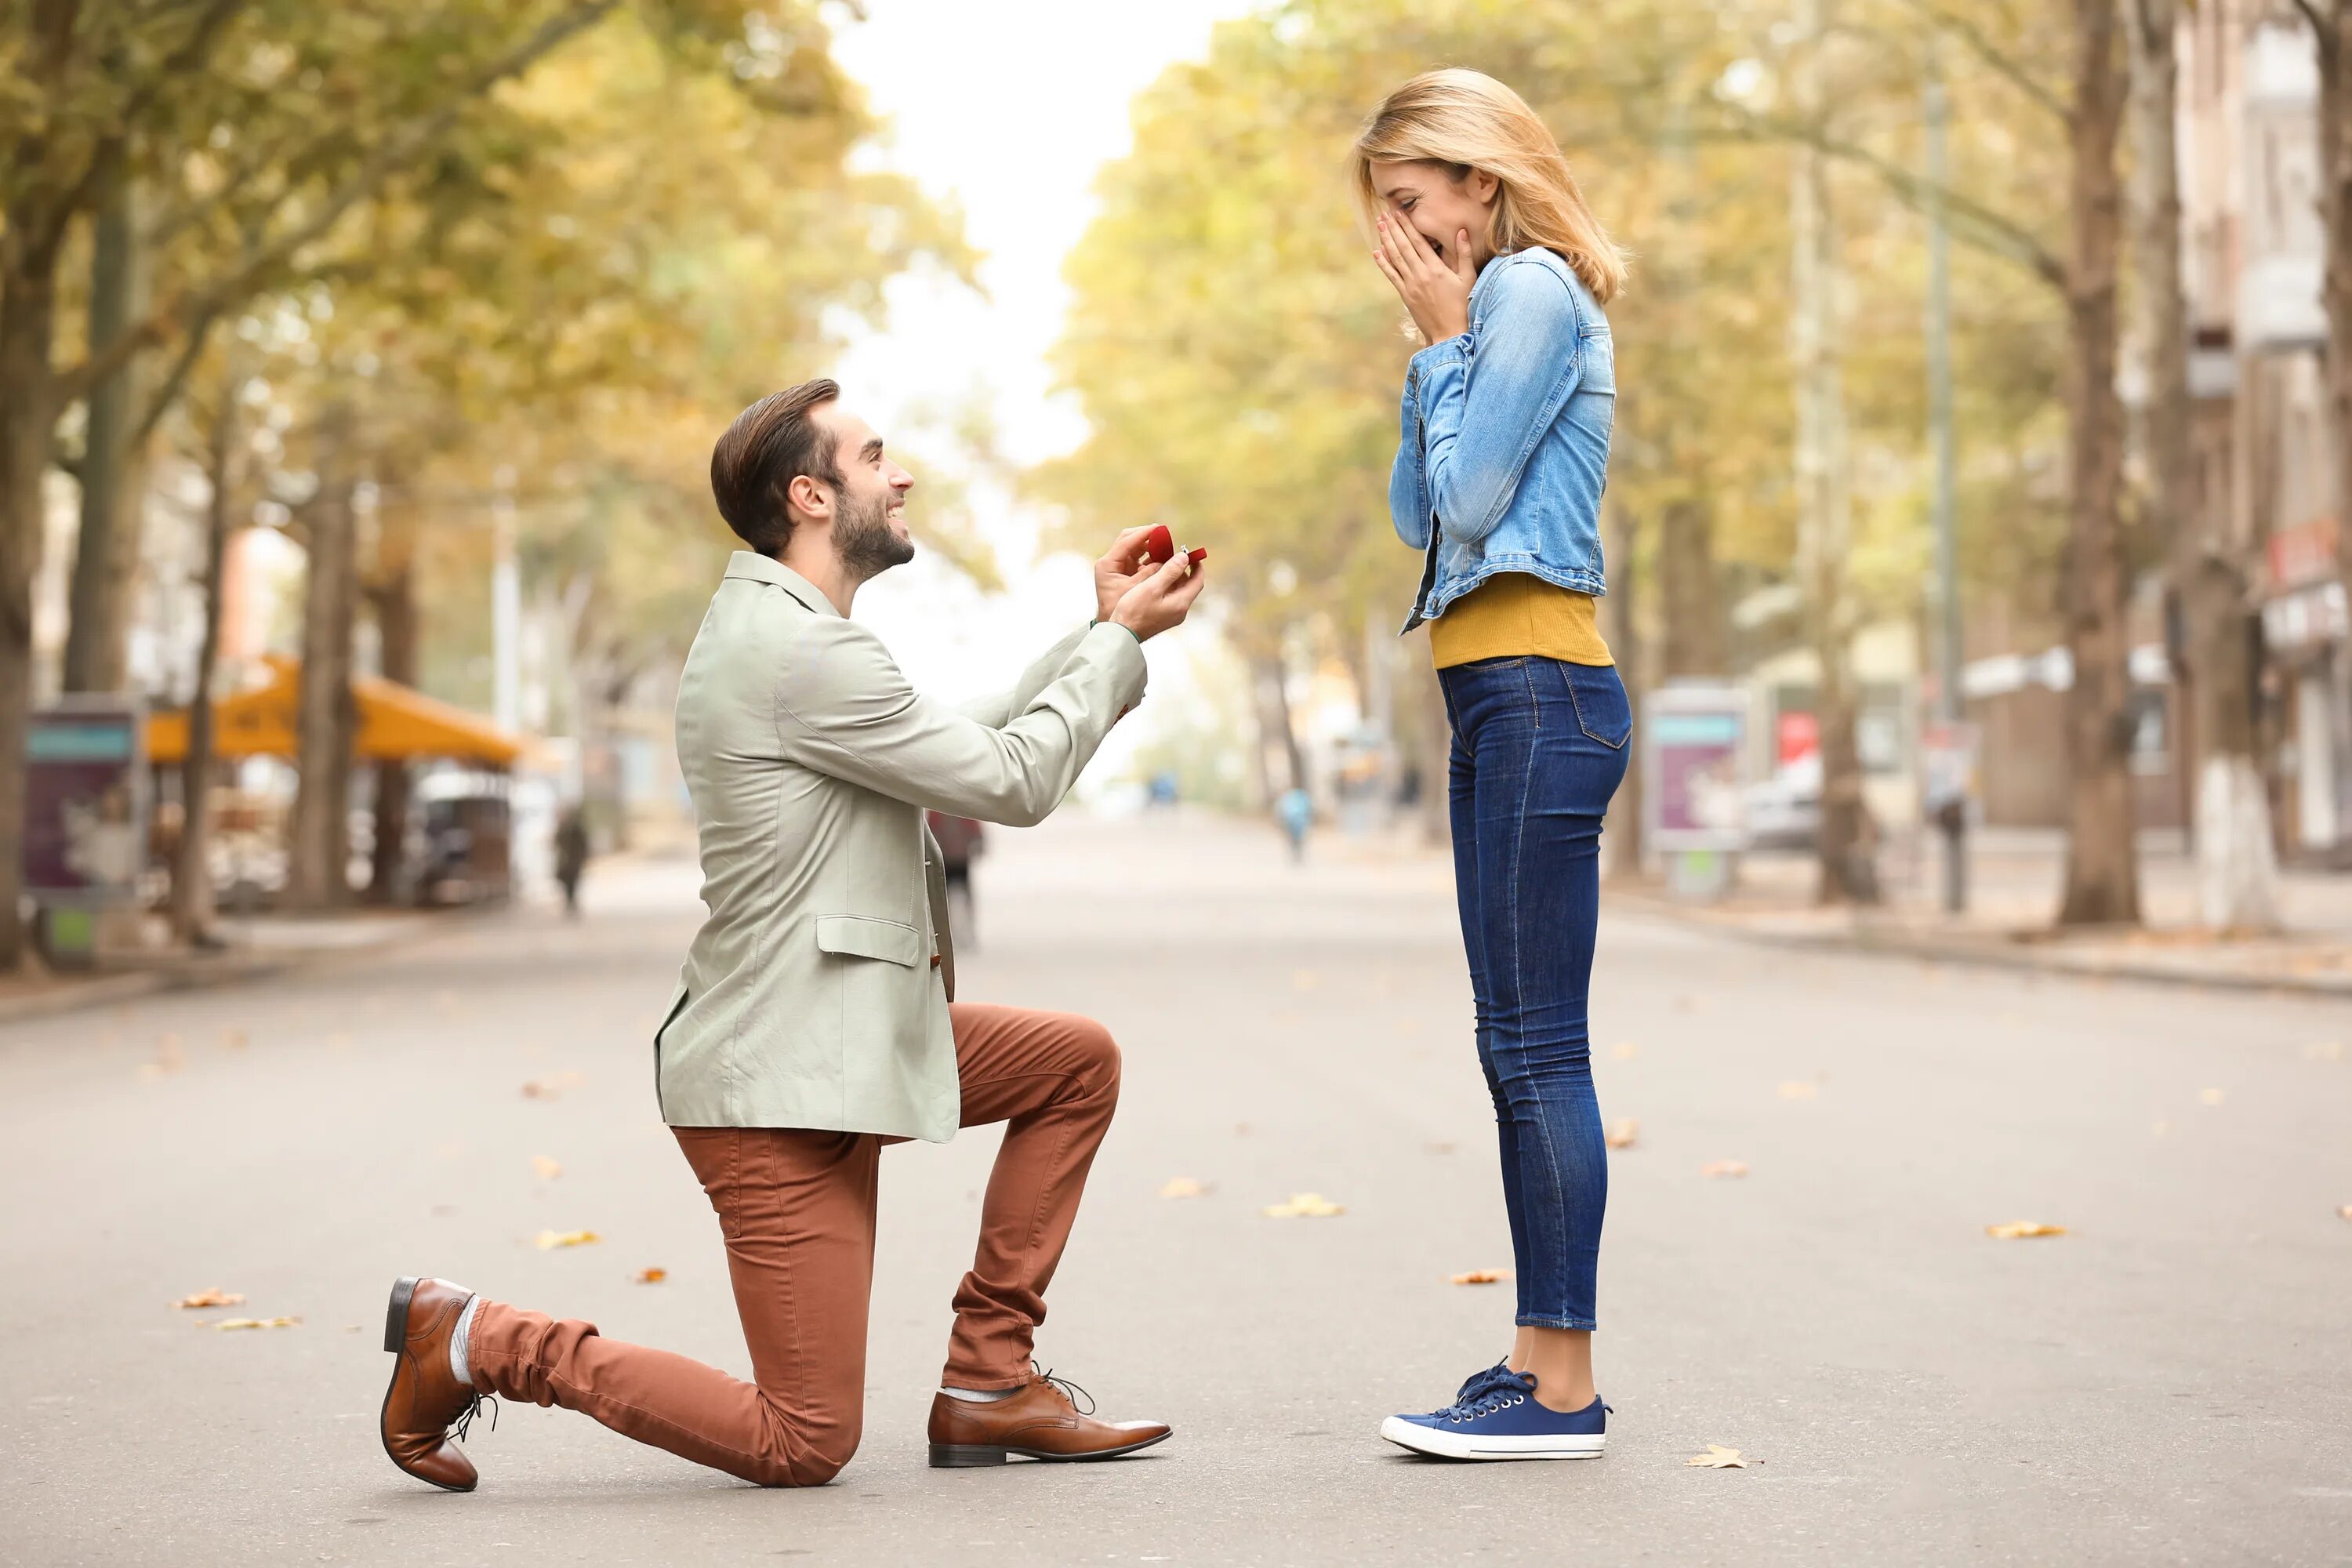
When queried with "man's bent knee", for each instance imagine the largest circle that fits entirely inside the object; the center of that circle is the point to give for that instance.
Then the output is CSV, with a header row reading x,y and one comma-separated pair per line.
x,y
1097,1053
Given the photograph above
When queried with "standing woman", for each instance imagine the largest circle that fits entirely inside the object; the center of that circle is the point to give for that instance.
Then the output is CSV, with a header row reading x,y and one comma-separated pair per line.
x,y
1481,229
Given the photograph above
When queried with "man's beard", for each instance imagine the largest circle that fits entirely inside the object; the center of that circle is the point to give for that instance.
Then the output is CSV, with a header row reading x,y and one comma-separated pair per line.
x,y
864,542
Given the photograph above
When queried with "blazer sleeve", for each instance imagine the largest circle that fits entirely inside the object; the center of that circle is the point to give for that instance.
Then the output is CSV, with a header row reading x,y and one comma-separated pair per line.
x,y
1484,405
844,708
996,711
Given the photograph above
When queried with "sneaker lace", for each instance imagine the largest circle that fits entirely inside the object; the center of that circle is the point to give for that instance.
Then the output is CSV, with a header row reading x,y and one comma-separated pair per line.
x,y
1070,1390
474,1408
1500,1387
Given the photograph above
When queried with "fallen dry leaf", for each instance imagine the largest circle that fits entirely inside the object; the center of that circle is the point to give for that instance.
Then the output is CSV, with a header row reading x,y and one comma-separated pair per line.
x,y
2344,1211
1183,1187
216,1297
1793,1090
2021,1229
1724,1168
254,1323
547,1169
1717,1457
2211,1097
1479,1276
1304,1206
1623,1135
553,1086
650,1276
548,1240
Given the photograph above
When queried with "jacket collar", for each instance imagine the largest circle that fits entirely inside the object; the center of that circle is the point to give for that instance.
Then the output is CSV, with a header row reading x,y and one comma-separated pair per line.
x,y
758,568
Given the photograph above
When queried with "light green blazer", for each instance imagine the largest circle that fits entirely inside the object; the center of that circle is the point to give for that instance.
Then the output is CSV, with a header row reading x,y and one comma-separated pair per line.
x,y
809,997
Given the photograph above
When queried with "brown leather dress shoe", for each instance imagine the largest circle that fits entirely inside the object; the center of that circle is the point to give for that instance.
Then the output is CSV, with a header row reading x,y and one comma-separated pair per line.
x,y
425,1398
1040,1422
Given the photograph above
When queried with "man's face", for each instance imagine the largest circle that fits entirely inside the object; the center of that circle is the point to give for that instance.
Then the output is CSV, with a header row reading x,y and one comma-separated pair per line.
x,y
870,536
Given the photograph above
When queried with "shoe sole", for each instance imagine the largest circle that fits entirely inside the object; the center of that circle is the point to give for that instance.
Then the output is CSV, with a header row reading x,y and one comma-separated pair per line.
x,y
1461,1446
396,1335
973,1456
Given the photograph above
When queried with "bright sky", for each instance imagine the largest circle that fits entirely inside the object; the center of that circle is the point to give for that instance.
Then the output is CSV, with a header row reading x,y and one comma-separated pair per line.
x,y
1009,109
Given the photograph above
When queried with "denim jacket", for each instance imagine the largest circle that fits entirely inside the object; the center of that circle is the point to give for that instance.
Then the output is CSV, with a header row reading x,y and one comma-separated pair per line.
x,y
1505,446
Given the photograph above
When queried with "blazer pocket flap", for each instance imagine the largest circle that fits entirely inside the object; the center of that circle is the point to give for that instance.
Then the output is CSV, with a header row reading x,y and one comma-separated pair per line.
x,y
862,936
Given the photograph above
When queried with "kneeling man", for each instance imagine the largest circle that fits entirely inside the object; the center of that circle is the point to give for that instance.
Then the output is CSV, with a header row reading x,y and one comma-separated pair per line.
x,y
813,1021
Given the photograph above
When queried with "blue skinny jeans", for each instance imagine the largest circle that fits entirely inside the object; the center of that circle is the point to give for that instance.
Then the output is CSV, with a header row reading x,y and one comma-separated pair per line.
x,y
1538,748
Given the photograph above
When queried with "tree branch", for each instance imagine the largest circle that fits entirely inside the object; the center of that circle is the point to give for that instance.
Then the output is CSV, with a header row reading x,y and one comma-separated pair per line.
x,y
1988,53
167,390
1972,222
388,158
112,150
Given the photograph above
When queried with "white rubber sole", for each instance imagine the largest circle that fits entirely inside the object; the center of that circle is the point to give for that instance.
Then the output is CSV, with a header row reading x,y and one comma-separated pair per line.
x,y
1463,1445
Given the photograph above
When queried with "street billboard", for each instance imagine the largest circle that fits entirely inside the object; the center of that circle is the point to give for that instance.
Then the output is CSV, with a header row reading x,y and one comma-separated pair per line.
x,y
1695,741
86,801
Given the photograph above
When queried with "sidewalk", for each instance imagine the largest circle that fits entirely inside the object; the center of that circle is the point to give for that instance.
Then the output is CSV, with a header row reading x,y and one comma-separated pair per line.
x,y
257,946
2013,885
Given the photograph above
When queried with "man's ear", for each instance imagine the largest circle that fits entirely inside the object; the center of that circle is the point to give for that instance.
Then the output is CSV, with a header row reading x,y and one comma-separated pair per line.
x,y
809,496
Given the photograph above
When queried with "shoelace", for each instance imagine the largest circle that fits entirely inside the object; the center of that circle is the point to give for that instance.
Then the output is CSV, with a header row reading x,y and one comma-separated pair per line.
x,y
1499,1388
474,1408
1483,1382
1070,1390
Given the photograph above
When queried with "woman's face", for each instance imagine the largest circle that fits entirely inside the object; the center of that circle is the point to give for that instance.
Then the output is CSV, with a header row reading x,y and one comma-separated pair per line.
x,y
1437,207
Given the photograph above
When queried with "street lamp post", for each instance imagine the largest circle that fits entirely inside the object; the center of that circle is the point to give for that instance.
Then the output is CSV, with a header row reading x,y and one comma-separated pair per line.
x,y
1949,655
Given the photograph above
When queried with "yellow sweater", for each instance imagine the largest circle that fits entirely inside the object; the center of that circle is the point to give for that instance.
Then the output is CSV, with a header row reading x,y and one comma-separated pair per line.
x,y
1514,614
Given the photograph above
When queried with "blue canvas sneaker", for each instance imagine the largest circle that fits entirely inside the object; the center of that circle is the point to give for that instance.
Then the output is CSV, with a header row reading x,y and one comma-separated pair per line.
x,y
1501,1420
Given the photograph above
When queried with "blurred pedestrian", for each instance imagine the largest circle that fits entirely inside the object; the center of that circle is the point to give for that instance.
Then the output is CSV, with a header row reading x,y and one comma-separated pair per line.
x,y
815,1020
960,841
1506,413
571,856
1295,810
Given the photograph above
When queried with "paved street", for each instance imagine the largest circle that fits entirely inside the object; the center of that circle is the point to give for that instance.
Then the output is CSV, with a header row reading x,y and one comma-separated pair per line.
x,y
2170,1382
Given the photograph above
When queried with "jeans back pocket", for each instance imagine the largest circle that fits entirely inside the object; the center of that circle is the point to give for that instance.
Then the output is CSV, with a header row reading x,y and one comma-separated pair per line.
x,y
1602,712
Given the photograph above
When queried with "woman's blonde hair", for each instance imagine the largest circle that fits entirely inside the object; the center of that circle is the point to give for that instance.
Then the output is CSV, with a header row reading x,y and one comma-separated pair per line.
x,y
1465,120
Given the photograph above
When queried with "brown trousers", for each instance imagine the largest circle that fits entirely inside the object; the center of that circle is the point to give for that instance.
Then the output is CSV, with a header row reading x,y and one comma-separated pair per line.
x,y
797,1212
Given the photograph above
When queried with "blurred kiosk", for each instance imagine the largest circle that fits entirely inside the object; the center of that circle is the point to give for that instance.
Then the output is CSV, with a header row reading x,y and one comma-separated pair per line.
x,y
1693,767
86,810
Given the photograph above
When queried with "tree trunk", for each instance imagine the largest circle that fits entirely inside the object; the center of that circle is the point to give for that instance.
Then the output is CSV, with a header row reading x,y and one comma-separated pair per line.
x,y
28,416
2237,876
1621,829
1274,676
394,593
2101,864
317,875
114,458
1846,842
1690,597
191,881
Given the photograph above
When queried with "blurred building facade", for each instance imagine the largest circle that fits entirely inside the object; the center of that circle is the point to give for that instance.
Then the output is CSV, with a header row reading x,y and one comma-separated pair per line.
x,y
2253,248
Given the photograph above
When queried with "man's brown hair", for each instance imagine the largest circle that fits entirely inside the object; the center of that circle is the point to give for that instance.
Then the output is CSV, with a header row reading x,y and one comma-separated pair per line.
x,y
770,443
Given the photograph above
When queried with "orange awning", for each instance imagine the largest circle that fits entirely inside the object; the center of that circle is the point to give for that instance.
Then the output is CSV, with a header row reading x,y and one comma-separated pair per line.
x,y
395,723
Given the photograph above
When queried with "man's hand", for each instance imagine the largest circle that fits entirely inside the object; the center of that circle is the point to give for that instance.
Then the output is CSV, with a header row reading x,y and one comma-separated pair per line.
x,y
1159,599
1121,568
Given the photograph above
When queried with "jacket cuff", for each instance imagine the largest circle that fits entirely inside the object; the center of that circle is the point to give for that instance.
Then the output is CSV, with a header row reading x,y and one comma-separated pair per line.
x,y
1121,652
